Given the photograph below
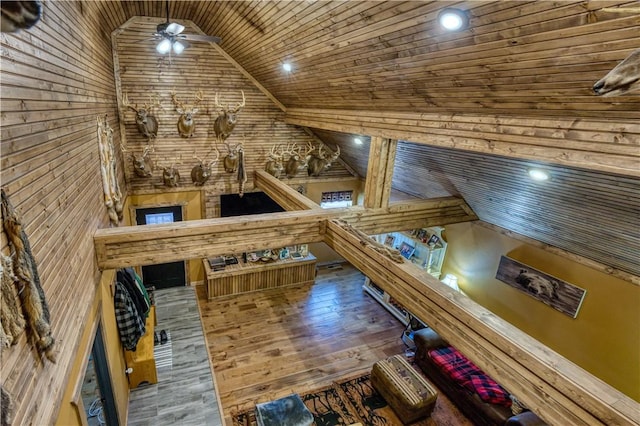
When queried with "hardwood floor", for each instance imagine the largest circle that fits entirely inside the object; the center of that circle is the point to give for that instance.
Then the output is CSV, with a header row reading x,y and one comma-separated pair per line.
x,y
267,344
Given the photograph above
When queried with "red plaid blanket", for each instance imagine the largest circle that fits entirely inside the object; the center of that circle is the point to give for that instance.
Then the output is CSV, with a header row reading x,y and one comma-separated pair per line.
x,y
467,374
455,365
490,391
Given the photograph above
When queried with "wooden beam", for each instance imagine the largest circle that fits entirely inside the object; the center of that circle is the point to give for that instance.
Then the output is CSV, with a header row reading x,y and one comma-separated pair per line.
x,y
197,239
412,214
553,387
609,148
287,197
382,155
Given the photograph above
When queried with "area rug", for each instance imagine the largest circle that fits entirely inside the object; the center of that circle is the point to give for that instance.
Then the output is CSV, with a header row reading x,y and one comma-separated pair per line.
x,y
163,354
353,400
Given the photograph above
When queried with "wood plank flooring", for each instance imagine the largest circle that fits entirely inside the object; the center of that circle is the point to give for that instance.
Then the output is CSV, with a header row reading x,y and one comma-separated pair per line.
x,y
267,344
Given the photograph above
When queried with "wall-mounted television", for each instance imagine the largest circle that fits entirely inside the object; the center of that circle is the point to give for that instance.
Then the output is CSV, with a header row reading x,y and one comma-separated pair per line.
x,y
249,203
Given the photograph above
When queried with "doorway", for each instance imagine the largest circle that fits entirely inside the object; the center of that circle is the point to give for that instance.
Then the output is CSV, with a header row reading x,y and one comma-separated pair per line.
x,y
164,275
97,393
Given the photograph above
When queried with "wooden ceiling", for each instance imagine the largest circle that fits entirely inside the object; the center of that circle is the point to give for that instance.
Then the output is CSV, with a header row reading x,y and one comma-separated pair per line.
x,y
517,57
521,76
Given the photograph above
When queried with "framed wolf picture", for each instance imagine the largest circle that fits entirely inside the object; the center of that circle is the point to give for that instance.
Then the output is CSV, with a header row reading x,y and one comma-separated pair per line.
x,y
558,294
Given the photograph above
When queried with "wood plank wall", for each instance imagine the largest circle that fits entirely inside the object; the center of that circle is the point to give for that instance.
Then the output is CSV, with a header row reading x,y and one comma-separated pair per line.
x,y
56,78
260,124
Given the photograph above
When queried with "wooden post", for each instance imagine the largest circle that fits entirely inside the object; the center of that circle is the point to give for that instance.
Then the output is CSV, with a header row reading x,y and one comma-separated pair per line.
x,y
382,155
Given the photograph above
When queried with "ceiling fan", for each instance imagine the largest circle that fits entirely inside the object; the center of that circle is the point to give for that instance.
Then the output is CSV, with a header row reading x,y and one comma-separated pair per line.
x,y
172,39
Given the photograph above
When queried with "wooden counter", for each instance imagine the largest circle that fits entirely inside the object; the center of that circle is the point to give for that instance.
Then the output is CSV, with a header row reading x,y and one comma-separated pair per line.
x,y
253,276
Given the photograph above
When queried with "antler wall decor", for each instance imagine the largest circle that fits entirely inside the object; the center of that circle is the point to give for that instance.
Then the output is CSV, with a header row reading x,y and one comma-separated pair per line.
x,y
226,120
202,171
146,122
186,123
319,160
274,165
143,166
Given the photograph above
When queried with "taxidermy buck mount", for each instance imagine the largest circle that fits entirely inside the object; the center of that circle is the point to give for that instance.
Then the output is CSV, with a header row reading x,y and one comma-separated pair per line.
x,y
146,122
226,120
319,160
230,161
296,161
170,175
202,171
624,78
142,164
274,165
186,122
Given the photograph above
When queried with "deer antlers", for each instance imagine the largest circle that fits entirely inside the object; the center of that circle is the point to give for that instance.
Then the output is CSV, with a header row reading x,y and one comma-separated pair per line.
x,y
182,108
237,108
212,162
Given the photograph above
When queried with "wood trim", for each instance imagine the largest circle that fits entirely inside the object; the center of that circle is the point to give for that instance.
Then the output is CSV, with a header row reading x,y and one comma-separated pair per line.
x,y
613,151
76,398
244,72
553,387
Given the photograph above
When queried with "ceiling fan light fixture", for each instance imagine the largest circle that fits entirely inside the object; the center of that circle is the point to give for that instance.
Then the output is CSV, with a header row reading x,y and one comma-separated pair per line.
x,y
164,46
178,47
174,28
453,19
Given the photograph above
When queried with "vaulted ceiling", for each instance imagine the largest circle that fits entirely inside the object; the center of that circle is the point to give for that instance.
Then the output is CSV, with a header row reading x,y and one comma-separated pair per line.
x,y
517,57
511,92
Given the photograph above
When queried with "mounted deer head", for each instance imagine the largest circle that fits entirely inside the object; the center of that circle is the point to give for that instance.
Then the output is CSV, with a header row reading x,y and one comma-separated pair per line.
x,y
202,172
142,164
624,78
17,15
186,123
274,165
226,120
146,122
319,160
170,175
296,160
230,161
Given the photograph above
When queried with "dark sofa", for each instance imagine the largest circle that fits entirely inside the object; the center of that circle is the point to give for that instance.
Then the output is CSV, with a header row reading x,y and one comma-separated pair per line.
x,y
478,411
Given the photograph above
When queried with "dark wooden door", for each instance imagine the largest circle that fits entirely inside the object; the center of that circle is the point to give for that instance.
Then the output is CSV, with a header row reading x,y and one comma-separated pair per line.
x,y
163,275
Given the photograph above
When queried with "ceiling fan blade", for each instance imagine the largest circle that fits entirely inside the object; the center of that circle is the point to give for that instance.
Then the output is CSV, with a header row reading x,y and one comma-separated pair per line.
x,y
199,37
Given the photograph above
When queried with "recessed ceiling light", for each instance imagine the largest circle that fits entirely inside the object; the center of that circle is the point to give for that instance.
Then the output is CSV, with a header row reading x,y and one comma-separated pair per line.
x,y
537,174
357,141
287,67
453,19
